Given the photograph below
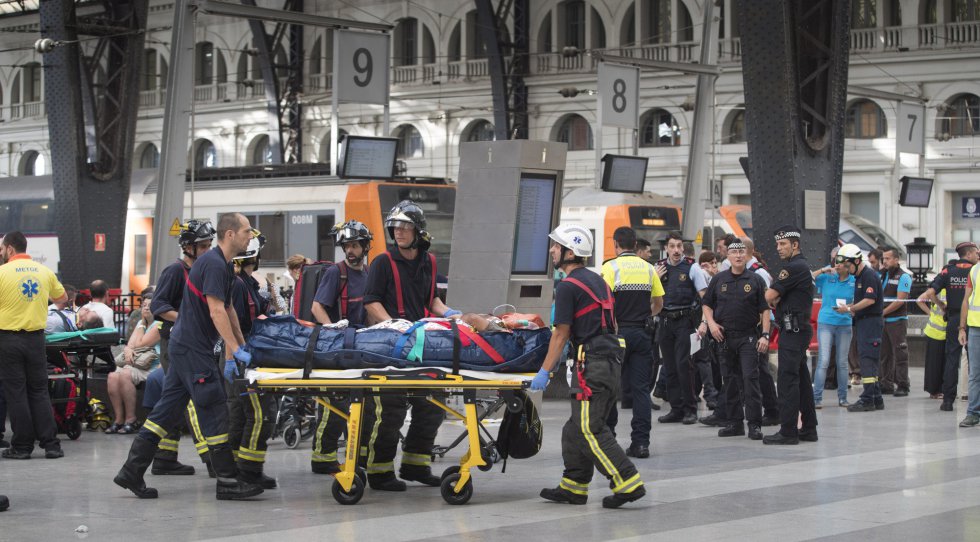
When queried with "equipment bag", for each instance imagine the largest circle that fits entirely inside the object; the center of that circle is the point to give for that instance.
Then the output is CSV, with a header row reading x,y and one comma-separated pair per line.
x,y
305,290
520,432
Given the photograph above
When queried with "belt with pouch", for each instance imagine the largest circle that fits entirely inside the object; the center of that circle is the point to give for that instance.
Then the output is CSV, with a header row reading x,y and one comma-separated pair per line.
x,y
679,313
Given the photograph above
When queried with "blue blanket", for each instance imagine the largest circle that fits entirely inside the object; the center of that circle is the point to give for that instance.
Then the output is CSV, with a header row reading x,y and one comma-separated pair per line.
x,y
281,342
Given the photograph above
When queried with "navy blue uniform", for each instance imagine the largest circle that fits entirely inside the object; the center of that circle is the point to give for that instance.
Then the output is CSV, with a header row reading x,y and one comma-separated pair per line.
x,y
681,311
868,327
795,286
417,284
329,294
168,295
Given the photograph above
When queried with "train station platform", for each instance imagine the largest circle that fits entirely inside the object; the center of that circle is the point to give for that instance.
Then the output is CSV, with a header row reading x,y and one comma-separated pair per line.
x,y
904,473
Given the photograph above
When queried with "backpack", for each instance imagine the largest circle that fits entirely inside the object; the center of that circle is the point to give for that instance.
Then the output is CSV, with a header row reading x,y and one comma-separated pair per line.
x,y
520,432
305,290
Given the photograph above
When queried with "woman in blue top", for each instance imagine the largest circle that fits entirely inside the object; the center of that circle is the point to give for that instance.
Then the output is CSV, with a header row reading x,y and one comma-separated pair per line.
x,y
835,285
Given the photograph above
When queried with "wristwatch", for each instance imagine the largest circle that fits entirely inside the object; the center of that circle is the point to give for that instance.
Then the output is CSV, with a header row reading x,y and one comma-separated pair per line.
x,y
765,334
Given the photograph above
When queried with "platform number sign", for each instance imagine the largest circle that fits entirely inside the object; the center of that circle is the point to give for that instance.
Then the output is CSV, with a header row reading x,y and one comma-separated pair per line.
x,y
361,67
618,94
911,119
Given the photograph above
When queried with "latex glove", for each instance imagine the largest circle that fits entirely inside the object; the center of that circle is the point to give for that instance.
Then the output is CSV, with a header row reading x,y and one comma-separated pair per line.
x,y
540,381
243,356
452,312
231,370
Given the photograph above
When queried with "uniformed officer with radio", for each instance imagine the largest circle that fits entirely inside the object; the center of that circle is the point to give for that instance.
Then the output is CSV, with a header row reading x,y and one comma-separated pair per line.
x,y
734,307
792,296
684,282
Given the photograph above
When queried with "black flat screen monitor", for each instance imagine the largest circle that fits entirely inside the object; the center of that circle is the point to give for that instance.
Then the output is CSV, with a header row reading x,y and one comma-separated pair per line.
x,y
535,209
916,192
367,158
624,173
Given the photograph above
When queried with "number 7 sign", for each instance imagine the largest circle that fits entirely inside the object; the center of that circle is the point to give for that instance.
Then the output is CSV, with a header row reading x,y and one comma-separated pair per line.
x,y
910,135
361,67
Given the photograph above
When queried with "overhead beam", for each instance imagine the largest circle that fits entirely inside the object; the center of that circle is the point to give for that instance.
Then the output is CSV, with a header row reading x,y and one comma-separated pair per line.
x,y
213,7
866,92
683,67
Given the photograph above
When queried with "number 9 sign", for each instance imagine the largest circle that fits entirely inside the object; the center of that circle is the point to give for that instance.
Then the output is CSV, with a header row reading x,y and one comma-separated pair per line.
x,y
361,67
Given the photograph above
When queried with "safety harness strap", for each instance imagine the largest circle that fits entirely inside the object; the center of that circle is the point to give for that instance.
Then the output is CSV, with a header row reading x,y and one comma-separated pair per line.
x,y
344,299
310,349
399,298
192,288
602,304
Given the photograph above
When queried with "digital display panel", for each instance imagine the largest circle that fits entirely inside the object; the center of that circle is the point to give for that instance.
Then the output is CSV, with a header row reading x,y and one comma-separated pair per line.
x,y
367,157
624,173
916,192
535,209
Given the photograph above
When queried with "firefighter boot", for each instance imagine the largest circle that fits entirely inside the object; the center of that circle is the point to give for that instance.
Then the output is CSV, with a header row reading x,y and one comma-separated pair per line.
x,y
229,487
251,472
172,467
130,476
419,473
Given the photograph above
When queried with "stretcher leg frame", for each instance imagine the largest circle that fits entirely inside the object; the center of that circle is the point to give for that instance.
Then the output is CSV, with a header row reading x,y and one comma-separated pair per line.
x,y
349,470
474,455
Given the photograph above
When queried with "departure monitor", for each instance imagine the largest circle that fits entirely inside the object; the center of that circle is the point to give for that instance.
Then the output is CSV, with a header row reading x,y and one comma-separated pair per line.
x,y
367,158
916,192
535,209
624,173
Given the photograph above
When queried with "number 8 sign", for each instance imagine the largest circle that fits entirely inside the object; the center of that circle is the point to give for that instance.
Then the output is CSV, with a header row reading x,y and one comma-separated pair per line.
x,y
618,94
361,67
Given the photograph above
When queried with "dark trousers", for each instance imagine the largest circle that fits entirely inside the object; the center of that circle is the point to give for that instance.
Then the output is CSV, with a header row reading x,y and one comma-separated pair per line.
x,y
23,370
867,333
895,356
795,389
192,375
249,424
741,360
587,443
705,374
954,350
169,445
382,423
3,411
675,344
767,386
932,381
636,378
328,432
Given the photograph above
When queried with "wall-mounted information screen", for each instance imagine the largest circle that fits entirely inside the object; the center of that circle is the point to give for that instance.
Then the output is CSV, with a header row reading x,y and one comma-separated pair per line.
x,y
916,192
535,209
624,173
367,158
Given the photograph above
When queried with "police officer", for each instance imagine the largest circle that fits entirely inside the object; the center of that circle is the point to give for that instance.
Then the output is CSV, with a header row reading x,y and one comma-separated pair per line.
x,y
25,287
195,239
969,336
866,310
401,283
584,315
792,295
639,295
340,296
204,318
734,308
250,411
953,279
684,283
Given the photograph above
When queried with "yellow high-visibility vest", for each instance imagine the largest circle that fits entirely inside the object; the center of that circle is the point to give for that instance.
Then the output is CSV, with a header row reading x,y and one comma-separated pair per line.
x,y
973,305
936,326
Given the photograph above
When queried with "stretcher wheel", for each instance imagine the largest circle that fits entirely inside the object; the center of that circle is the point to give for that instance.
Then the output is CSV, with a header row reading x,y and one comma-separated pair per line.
x,y
446,488
292,435
490,456
74,428
348,497
449,472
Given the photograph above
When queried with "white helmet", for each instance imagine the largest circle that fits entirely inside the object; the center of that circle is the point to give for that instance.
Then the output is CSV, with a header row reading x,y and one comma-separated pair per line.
x,y
850,253
573,237
255,245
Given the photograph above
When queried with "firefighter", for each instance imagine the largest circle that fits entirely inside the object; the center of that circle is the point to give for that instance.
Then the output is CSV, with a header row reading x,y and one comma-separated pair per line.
x,y
340,296
584,315
868,325
401,283
792,296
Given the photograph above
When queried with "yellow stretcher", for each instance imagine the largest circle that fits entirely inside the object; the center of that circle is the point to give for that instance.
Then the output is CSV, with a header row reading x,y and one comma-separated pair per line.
x,y
434,383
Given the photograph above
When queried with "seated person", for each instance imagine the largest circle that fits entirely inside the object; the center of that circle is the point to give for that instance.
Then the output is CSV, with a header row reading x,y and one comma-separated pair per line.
x,y
138,358
62,316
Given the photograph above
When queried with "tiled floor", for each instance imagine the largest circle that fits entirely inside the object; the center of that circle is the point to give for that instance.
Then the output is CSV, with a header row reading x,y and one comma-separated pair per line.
x,y
905,473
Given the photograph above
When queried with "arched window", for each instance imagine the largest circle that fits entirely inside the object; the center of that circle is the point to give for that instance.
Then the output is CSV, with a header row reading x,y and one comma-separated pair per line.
x,y
627,29
735,126
575,131
32,82
864,13
572,23
149,157
598,36
659,129
261,151
205,154
455,52
965,10
685,25
209,65
428,46
410,143
960,117
405,42
864,120
655,28
480,130
33,164
544,35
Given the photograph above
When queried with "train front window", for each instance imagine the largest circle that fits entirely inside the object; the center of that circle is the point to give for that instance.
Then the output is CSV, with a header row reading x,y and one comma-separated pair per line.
x,y
653,223
35,217
437,202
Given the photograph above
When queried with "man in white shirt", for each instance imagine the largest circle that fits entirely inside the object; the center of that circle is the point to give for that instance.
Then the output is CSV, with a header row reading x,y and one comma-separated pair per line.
x,y
63,318
99,292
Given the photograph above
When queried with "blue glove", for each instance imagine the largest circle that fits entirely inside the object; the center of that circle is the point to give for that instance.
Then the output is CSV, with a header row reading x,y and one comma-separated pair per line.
x,y
540,381
243,356
231,370
451,312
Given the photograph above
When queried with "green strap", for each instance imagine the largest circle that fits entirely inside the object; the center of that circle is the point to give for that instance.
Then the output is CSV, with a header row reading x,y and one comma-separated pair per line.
x,y
415,354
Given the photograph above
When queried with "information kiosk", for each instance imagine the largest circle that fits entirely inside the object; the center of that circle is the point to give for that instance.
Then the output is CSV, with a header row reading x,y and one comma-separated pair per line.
x,y
507,202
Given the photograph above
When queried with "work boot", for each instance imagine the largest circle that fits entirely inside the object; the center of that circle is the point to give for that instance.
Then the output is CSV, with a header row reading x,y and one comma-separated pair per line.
x,y
779,438
619,499
418,473
3,443
325,467
253,476
735,429
947,406
211,473
862,406
690,418
674,416
562,495
4,503
386,482
172,467
755,432
130,476
808,435
714,420
229,487
639,451
770,420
